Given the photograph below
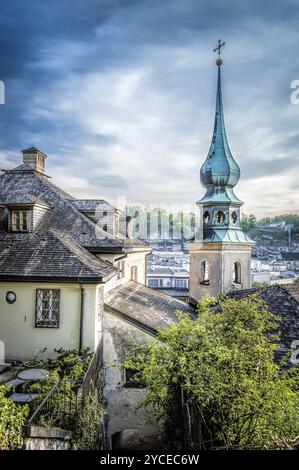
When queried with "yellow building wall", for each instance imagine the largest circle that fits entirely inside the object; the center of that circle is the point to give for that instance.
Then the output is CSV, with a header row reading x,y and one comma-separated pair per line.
x,y
22,340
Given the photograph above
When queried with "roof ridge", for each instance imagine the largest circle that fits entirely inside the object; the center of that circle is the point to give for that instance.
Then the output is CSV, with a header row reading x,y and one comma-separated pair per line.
x,y
84,256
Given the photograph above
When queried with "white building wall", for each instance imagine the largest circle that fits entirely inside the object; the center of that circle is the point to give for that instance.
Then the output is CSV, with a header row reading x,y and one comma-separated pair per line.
x,y
137,258
23,340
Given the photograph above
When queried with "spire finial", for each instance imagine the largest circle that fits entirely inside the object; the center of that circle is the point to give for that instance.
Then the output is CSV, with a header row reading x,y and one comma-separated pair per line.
x,y
219,61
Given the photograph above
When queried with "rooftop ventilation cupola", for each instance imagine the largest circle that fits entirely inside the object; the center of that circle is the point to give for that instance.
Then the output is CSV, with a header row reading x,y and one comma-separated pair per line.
x,y
35,158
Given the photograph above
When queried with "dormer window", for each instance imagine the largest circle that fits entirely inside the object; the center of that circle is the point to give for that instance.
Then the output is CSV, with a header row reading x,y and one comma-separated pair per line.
x,y
20,221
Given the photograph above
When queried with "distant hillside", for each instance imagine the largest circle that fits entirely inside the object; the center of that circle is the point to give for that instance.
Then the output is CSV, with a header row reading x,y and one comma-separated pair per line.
x,y
272,235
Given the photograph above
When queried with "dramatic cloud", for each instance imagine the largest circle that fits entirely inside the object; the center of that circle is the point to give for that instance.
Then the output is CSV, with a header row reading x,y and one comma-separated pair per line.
x,y
120,95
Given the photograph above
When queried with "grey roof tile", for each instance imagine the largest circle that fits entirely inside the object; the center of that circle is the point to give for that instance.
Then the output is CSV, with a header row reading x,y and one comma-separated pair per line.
x,y
54,255
147,307
283,301
64,233
92,205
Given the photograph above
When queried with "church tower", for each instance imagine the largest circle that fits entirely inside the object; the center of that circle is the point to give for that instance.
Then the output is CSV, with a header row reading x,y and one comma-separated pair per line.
x,y
220,255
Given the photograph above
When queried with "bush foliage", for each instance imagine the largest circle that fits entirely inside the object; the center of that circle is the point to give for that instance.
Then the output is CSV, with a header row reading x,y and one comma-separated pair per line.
x,y
222,365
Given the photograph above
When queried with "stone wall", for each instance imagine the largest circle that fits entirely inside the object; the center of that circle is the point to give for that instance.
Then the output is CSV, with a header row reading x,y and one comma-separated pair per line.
x,y
122,410
38,438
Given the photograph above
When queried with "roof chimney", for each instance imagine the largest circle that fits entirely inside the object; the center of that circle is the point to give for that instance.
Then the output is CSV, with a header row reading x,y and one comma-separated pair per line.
x,y
35,158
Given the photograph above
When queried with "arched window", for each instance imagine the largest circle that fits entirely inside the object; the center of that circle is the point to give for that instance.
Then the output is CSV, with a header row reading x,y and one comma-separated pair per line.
x,y
237,275
220,217
206,217
204,272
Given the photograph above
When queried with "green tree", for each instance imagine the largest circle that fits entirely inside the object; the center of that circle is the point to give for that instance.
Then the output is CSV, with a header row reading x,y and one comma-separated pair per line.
x,y
248,222
223,365
12,418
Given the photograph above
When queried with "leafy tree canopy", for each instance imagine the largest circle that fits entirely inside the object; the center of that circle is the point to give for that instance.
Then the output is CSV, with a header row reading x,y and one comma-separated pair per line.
x,y
222,366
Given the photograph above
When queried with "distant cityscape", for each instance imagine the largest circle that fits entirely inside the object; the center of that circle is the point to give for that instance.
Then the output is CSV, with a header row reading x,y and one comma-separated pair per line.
x,y
275,257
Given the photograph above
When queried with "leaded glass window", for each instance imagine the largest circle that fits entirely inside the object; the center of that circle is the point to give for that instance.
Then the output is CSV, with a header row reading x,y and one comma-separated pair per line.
x,y
47,308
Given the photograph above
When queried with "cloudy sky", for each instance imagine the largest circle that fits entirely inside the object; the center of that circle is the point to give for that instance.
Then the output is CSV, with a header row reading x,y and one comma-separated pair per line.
x,y
120,95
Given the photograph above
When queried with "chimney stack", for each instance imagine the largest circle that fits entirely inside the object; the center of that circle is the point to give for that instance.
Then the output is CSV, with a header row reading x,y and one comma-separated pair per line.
x,y
35,158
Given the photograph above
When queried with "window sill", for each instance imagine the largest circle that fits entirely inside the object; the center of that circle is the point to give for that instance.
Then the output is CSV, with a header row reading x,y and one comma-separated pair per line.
x,y
237,285
46,326
204,283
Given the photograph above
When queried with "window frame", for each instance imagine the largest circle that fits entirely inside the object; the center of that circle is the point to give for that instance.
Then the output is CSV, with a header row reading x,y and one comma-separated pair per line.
x,y
130,383
134,277
17,219
204,273
38,315
237,273
121,265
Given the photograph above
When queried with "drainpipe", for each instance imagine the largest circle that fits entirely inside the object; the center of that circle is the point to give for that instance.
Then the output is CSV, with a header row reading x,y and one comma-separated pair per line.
x,y
82,311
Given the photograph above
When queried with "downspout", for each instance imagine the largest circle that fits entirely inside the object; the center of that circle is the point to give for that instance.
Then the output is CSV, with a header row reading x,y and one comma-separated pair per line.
x,y
82,312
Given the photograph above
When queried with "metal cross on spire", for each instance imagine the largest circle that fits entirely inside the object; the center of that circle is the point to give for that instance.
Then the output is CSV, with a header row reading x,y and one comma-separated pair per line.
x,y
218,49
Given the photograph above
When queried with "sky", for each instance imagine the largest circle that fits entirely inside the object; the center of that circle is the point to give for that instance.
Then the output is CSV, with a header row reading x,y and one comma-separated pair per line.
x,y
120,95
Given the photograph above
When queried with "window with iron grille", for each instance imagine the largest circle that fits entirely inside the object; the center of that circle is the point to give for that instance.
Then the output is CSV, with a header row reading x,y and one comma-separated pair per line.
x,y
47,308
19,221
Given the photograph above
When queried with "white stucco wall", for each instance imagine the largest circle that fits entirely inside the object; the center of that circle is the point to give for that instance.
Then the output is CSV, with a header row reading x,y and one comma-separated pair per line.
x,y
22,339
134,258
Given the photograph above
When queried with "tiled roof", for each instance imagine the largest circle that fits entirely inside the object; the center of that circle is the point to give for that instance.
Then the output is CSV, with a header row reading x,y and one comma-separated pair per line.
x,y
92,205
145,307
292,290
49,256
283,301
26,199
23,184
65,216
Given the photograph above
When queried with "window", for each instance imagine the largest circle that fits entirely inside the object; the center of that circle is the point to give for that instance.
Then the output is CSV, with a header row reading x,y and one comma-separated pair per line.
x,y
180,283
220,217
134,273
47,308
155,282
121,269
104,213
130,380
234,217
19,221
237,278
204,273
206,217
105,228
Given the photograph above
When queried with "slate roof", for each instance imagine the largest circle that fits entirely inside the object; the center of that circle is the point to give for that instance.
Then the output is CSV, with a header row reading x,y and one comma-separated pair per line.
x,y
25,199
55,254
145,307
24,184
283,301
86,205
